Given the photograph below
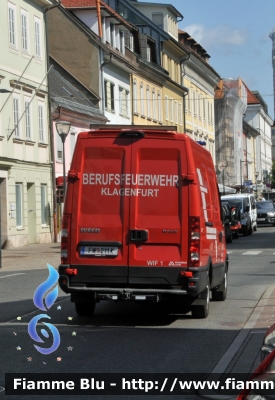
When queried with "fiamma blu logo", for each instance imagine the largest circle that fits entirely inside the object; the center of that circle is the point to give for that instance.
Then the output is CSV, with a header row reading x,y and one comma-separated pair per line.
x,y
43,299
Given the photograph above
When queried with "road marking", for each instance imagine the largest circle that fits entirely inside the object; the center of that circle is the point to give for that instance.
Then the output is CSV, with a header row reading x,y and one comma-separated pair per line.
x,y
251,253
6,276
229,252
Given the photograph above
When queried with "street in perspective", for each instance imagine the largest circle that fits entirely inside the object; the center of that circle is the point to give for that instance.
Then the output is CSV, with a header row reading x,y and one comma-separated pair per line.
x,y
126,337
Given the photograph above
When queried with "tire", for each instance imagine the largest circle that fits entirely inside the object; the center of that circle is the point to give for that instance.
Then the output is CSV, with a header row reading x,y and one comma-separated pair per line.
x,y
85,309
245,231
220,293
236,235
250,230
256,227
202,310
230,239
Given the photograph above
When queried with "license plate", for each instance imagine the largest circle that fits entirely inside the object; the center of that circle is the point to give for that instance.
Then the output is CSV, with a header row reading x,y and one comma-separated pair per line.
x,y
98,251
260,219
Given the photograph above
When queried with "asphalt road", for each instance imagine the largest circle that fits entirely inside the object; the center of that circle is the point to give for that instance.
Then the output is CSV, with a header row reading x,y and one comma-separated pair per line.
x,y
131,338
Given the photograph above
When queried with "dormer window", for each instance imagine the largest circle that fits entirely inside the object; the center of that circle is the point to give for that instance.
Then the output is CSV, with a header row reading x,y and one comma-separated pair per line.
x,y
148,53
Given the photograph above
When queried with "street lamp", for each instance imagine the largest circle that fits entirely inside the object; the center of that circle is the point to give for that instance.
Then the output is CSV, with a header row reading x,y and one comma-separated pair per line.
x,y
256,178
63,128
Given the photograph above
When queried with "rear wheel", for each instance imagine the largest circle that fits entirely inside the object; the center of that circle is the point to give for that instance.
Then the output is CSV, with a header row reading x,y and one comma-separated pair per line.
x,y
255,227
230,238
220,293
202,310
245,231
236,234
250,230
85,309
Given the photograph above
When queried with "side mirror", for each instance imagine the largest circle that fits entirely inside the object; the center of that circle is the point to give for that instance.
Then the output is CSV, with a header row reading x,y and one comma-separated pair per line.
x,y
253,206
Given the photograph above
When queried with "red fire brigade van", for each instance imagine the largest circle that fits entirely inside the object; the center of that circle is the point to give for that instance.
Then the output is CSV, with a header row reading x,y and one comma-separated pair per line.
x,y
142,220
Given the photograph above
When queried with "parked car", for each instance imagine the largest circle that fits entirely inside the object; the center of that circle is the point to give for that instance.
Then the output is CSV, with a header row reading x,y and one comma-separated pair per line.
x,y
231,221
247,204
265,212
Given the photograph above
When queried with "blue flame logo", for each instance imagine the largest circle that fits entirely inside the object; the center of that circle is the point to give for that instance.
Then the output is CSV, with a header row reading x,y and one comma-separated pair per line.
x,y
43,288
44,301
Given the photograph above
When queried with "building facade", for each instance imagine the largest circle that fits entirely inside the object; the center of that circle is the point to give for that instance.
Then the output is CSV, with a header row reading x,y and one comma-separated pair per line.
x,y
25,151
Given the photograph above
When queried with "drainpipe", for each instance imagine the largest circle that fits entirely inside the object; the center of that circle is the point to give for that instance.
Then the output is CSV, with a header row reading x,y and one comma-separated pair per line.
x,y
51,125
99,18
102,82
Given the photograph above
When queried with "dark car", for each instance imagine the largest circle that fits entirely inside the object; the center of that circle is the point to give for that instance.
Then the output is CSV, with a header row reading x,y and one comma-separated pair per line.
x,y
265,212
231,221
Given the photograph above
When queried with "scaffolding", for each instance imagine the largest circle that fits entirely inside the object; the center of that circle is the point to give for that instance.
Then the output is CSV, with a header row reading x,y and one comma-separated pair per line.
x,y
230,105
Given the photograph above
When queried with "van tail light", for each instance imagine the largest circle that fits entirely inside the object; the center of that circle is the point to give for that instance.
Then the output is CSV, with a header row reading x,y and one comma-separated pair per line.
x,y
65,238
194,240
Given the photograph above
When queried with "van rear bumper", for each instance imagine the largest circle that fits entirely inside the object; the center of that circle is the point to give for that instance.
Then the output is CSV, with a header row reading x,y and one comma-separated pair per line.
x,y
140,280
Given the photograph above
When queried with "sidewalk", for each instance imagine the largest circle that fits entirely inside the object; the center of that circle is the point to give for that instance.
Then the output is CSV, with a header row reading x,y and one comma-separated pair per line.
x,y
33,256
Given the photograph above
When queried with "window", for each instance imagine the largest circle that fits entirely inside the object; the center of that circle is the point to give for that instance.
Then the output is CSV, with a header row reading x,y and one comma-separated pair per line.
x,y
148,53
41,122
123,102
171,110
112,34
24,32
131,42
12,25
180,114
16,116
141,99
166,108
19,202
148,102
59,148
154,105
176,112
37,38
109,92
199,103
44,206
121,42
135,96
27,119
159,107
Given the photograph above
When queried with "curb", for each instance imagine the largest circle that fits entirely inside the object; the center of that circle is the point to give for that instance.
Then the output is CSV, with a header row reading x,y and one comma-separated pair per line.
x,y
228,356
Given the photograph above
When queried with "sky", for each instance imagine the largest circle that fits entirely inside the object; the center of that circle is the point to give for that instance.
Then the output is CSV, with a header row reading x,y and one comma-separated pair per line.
x,y
235,33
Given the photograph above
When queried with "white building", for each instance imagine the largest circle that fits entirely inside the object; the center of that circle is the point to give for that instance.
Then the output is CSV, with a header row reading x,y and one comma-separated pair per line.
x,y
257,116
25,157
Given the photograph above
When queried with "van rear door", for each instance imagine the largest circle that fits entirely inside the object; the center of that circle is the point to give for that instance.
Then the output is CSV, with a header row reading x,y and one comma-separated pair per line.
x,y
101,208
158,225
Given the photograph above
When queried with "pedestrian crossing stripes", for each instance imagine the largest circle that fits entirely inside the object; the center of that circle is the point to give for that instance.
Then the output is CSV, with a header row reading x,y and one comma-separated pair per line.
x,y
249,253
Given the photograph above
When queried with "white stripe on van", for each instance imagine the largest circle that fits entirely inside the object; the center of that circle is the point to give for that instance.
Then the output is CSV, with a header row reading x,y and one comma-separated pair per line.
x,y
208,236
211,230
